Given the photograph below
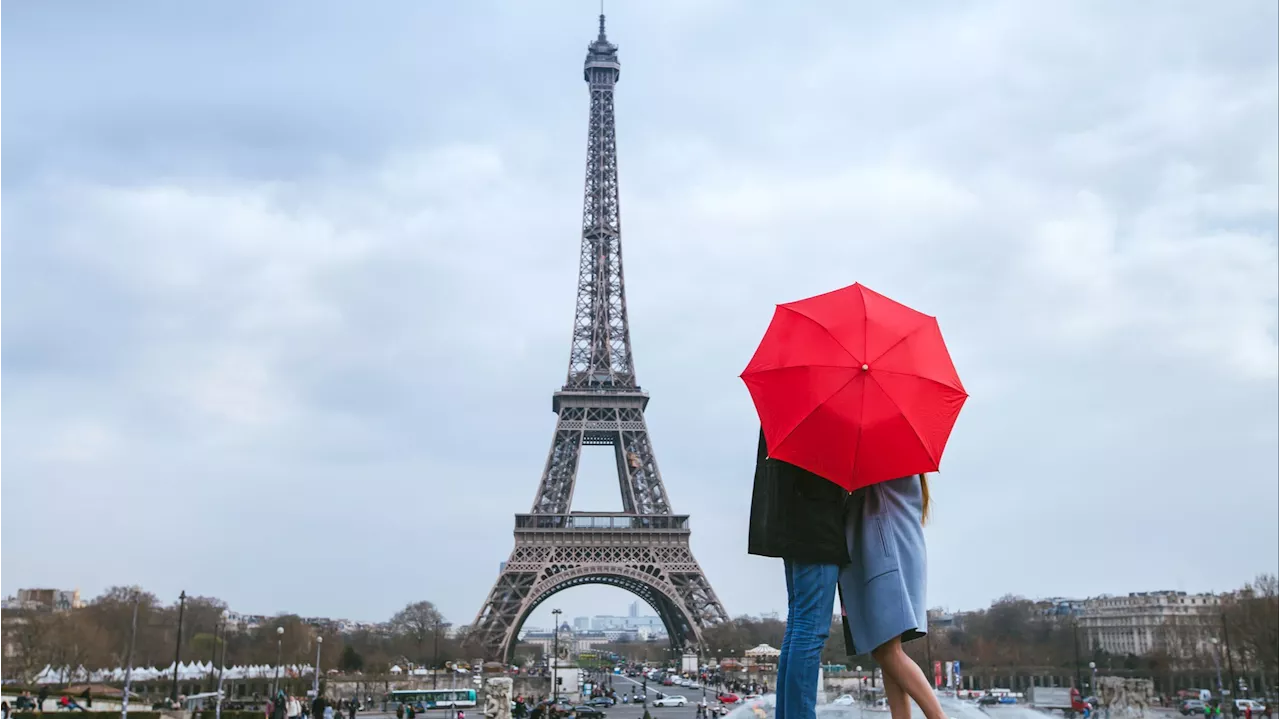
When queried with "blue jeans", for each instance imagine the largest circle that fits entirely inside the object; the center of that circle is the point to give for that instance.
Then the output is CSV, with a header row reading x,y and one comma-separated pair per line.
x,y
811,594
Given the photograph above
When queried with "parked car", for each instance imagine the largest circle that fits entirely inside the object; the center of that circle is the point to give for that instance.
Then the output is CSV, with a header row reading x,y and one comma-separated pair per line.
x,y
844,700
601,702
727,698
675,700
586,711
1188,707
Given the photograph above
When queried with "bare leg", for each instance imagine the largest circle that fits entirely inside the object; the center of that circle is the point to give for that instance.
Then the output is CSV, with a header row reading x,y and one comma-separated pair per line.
x,y
897,665
899,702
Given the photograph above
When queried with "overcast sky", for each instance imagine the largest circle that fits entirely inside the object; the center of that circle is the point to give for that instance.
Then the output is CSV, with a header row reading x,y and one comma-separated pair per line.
x,y
287,286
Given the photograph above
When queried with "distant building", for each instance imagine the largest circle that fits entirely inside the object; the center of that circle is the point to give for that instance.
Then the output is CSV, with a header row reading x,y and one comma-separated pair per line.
x,y
570,641
45,600
1179,624
941,619
1060,607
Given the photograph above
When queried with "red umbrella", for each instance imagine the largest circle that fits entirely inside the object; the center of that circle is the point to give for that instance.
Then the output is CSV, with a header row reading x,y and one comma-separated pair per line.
x,y
854,387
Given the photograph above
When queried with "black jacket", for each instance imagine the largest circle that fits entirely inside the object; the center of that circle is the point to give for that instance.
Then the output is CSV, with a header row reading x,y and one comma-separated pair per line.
x,y
796,514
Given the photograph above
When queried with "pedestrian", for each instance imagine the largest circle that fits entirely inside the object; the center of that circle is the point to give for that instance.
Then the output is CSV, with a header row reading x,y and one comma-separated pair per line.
x,y
88,698
799,517
882,590
4,710
44,694
1248,711
351,709
400,711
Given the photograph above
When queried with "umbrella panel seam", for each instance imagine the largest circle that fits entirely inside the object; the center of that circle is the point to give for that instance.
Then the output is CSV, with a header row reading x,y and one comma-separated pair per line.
x,y
901,339
915,431
828,331
809,414
750,371
940,383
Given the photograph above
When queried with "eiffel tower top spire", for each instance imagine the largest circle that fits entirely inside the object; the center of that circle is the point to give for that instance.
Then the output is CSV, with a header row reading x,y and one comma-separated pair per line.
x,y
600,354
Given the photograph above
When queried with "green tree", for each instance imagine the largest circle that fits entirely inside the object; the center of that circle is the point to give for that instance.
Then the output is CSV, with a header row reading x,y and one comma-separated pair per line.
x,y
351,661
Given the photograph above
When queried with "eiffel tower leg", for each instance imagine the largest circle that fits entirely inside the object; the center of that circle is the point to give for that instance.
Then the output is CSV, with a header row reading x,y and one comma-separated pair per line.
x,y
641,473
497,620
555,491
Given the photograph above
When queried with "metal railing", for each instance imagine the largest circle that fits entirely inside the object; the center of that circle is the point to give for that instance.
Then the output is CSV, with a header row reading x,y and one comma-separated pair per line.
x,y
603,521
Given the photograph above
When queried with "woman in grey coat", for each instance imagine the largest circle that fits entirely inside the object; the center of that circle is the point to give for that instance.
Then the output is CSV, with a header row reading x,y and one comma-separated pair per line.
x,y
882,589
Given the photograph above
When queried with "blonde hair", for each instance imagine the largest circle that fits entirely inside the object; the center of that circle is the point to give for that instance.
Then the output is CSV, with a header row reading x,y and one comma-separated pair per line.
x,y
924,491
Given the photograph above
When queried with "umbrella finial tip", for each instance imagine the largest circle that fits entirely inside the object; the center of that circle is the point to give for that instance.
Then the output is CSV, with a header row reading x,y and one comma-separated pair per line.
x,y
865,368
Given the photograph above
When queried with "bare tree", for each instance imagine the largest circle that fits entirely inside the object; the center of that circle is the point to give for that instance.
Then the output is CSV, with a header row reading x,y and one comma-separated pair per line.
x,y
418,621
1252,620
29,634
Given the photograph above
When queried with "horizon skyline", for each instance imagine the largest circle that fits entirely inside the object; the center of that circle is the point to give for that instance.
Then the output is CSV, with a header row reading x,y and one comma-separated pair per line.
x,y
781,613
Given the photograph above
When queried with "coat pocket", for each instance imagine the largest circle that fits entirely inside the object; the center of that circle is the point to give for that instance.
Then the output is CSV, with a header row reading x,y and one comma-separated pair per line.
x,y
877,551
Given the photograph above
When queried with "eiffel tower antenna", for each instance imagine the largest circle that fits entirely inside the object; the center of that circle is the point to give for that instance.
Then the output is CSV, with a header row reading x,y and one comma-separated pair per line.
x,y
645,547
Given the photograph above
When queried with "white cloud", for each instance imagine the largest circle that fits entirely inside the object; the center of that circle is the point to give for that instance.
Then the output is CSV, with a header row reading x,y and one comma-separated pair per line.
x,y
361,333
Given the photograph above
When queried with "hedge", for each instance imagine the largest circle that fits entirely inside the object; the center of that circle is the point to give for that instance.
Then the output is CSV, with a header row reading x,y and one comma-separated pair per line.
x,y
88,714
230,714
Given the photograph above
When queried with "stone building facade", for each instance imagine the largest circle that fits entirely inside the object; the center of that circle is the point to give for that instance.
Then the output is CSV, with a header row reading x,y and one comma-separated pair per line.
x,y
1177,623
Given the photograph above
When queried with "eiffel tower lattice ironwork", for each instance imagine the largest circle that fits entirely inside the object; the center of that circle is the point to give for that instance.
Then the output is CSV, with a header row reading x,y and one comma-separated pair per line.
x,y
645,548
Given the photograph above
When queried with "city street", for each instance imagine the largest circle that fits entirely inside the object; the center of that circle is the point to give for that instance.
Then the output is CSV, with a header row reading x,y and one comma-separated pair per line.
x,y
623,684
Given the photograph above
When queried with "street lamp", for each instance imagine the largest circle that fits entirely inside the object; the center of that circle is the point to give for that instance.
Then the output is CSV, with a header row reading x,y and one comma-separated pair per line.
x,y
128,670
555,654
275,683
435,669
315,681
177,652
1217,664
1093,680
217,712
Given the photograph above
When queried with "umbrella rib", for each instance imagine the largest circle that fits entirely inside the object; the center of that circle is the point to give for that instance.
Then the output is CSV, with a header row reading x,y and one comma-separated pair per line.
x,y
824,329
940,383
914,431
799,366
816,407
901,339
857,445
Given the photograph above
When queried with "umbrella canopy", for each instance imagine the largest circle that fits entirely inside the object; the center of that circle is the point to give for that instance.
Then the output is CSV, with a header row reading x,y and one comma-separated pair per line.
x,y
854,387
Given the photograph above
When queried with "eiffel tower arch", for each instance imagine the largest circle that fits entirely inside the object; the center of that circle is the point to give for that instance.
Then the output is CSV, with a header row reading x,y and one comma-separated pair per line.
x,y
643,549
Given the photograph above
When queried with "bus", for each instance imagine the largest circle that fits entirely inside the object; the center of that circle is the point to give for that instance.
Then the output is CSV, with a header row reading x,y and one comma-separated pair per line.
x,y
423,699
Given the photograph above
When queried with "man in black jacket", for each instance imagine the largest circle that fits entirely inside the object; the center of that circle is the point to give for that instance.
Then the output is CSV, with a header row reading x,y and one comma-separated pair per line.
x,y
799,516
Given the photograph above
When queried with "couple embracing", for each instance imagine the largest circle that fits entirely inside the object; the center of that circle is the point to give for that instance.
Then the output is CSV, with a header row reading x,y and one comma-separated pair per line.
x,y
867,546
857,396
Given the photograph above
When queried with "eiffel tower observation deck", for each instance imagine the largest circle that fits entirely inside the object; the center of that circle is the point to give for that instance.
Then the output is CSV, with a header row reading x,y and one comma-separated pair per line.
x,y
644,548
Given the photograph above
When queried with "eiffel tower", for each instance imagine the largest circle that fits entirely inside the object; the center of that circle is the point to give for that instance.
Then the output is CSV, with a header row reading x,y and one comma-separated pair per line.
x,y
644,548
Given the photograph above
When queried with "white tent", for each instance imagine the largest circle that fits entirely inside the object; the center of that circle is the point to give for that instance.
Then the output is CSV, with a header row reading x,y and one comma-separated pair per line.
x,y
764,651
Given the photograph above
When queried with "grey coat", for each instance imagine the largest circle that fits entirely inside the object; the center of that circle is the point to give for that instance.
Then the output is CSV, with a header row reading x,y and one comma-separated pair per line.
x,y
882,590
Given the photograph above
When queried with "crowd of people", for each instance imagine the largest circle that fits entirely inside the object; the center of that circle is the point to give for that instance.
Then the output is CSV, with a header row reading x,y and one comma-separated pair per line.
x,y
283,706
